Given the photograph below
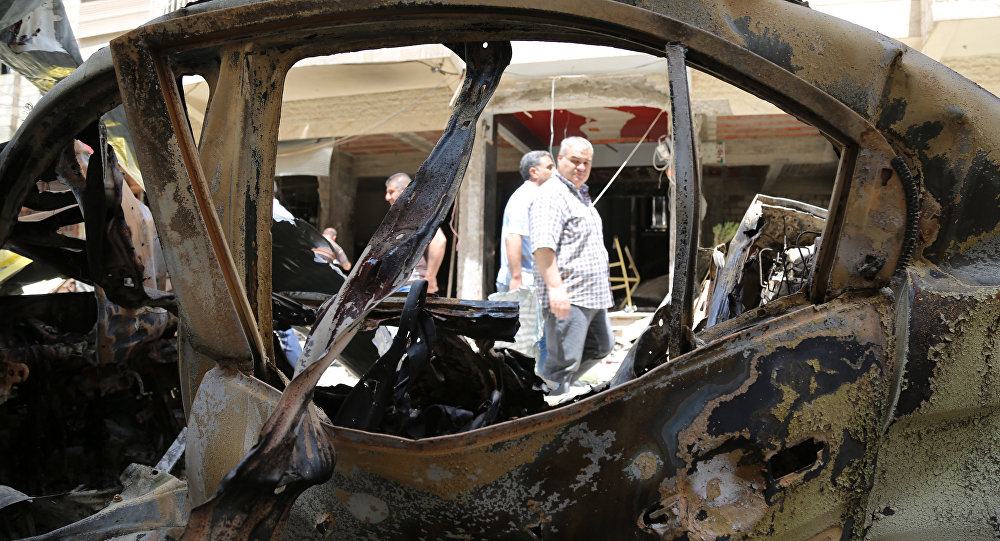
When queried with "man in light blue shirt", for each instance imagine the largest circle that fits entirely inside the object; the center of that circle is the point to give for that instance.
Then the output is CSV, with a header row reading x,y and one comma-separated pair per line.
x,y
516,260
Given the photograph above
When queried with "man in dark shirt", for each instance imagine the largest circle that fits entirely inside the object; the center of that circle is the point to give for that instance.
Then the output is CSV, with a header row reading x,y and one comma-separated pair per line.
x,y
335,254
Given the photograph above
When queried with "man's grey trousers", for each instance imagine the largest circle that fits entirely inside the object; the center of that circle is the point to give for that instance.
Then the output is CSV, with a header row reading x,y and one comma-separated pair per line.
x,y
575,344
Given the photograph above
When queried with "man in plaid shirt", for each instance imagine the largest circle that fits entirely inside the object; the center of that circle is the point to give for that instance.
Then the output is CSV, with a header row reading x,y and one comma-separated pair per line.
x,y
571,268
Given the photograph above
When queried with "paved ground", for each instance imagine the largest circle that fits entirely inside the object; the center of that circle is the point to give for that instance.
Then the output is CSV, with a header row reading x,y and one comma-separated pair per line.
x,y
337,374
627,326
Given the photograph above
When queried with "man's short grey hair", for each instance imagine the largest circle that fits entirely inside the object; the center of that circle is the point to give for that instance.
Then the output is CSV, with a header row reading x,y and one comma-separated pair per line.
x,y
574,142
532,159
401,180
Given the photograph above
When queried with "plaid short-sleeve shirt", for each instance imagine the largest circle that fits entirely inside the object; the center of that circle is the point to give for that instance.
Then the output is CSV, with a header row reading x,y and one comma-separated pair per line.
x,y
563,218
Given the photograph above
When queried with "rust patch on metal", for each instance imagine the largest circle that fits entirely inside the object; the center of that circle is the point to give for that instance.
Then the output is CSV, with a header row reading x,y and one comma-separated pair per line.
x,y
645,466
929,225
11,373
473,467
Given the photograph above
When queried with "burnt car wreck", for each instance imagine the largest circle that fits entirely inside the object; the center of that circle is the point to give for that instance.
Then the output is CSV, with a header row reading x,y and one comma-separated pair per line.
x,y
840,383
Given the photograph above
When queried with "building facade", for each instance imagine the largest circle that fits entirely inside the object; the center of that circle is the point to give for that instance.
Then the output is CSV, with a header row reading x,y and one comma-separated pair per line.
x,y
349,121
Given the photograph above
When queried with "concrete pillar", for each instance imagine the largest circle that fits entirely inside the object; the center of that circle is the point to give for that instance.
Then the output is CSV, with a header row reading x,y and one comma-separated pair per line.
x,y
491,234
921,19
15,103
337,197
471,241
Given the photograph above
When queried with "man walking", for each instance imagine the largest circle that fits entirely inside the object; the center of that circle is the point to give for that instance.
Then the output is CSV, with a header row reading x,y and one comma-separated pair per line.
x,y
571,268
516,259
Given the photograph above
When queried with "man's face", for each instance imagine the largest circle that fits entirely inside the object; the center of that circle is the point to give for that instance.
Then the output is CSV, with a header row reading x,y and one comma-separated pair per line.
x,y
575,164
392,192
541,172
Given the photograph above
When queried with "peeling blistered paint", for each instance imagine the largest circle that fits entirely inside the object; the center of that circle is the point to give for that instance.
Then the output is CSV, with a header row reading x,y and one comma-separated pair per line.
x,y
366,508
728,495
597,446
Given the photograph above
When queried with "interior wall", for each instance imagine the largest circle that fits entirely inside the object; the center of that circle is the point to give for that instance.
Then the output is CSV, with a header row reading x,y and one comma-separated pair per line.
x,y
626,208
300,195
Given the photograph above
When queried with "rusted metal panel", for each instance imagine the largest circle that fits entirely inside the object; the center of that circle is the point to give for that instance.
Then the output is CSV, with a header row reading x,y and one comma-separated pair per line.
x,y
943,124
292,453
224,420
236,152
935,475
208,297
867,239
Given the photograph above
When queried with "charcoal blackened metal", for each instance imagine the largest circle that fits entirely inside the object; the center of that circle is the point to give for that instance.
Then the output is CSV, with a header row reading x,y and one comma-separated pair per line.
x,y
410,350
685,214
495,320
112,258
93,404
475,319
428,384
648,351
293,453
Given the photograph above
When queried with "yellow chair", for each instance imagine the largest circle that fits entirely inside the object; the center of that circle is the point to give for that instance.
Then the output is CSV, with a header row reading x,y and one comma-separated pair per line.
x,y
10,264
629,278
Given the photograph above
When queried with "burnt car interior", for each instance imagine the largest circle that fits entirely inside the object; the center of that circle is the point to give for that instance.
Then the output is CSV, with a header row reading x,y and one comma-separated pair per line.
x,y
118,374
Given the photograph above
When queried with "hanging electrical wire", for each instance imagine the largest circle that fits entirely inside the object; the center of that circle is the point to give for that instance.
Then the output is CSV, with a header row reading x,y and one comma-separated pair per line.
x,y
552,116
663,159
630,154
552,109
388,119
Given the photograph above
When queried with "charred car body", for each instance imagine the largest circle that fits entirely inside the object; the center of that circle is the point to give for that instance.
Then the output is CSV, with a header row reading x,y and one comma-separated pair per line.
x,y
860,405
